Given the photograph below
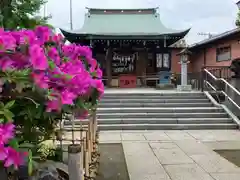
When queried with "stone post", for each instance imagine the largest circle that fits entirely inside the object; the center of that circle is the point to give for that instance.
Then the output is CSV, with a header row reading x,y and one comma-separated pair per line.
x,y
184,67
74,162
183,73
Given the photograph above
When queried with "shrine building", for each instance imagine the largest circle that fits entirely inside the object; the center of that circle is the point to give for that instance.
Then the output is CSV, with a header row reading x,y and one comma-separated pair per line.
x,y
131,45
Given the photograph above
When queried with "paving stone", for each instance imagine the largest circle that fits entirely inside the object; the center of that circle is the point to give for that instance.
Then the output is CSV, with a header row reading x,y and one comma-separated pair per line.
x,y
110,137
226,176
216,135
215,163
110,142
160,145
179,135
156,136
223,144
142,163
133,137
187,172
193,147
172,156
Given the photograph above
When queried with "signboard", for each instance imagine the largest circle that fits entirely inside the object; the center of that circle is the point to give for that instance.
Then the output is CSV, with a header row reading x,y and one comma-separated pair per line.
x,y
127,81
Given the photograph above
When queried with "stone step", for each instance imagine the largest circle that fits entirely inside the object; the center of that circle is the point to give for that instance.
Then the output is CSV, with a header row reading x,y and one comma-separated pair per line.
x,y
131,105
202,100
156,93
166,126
162,115
155,121
147,126
159,110
186,96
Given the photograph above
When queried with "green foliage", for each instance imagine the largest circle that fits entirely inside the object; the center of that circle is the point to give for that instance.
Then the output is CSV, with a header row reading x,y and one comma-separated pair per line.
x,y
238,19
5,114
18,14
46,149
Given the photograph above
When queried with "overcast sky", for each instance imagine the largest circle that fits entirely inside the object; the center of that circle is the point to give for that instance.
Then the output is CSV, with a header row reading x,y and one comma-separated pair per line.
x,y
213,16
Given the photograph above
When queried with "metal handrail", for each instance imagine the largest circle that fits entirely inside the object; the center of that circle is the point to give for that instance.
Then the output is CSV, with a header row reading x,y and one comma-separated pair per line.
x,y
214,77
223,92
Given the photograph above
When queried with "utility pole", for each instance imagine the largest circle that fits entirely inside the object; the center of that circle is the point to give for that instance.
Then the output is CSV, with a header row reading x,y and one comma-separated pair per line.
x,y
206,34
71,20
44,10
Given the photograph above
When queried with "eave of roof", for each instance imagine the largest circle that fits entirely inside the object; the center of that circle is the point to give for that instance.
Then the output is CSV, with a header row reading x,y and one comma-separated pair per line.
x,y
124,25
117,9
143,36
215,38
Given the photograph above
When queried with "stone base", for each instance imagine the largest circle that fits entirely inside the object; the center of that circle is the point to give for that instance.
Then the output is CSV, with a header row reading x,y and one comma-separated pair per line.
x,y
165,86
184,88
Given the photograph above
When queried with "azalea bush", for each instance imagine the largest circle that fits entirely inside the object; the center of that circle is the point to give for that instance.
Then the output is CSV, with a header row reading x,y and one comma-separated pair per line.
x,y
46,79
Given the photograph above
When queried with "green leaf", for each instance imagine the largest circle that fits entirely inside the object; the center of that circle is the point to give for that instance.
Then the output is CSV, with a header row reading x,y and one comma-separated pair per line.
x,y
27,145
30,163
9,104
8,115
14,143
51,64
1,105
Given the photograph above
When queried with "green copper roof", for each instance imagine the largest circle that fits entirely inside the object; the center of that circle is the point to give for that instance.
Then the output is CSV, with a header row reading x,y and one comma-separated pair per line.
x,y
141,22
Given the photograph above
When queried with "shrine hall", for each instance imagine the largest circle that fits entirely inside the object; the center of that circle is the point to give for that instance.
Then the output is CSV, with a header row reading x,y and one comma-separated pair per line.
x,y
131,45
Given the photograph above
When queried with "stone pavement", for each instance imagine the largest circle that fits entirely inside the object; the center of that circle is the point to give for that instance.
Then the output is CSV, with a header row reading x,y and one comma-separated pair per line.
x,y
177,155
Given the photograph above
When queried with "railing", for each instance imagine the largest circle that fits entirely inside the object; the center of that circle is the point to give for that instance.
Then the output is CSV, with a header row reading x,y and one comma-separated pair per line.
x,y
221,89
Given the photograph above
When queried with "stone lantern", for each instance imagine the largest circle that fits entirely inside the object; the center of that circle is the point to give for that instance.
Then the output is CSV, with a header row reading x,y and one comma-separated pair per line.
x,y
184,60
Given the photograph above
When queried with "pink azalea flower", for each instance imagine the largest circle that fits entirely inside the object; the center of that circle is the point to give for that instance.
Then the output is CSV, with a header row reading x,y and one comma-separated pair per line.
x,y
3,153
14,158
38,58
53,105
99,73
67,97
98,84
53,54
6,63
6,132
40,80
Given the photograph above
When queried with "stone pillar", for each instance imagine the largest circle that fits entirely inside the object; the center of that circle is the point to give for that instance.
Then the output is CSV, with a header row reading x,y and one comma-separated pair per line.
x,y
141,67
184,55
108,59
184,73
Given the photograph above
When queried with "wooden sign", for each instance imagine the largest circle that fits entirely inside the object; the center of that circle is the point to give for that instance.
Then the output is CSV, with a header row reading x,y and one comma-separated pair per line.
x,y
127,81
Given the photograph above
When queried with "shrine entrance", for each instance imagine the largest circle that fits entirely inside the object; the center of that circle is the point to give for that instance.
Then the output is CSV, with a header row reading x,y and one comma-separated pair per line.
x,y
130,56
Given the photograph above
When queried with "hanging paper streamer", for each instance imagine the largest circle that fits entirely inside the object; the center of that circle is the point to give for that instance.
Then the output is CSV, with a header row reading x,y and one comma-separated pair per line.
x,y
123,63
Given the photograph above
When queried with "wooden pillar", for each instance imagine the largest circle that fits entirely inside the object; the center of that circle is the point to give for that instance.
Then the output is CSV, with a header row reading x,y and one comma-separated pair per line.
x,y
108,59
142,66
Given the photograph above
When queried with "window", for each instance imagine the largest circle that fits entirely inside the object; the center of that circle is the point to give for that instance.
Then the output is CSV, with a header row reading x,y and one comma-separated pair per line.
x,y
223,53
163,60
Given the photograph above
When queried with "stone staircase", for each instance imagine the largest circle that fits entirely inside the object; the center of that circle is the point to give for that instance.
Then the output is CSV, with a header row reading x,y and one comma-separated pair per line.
x,y
159,111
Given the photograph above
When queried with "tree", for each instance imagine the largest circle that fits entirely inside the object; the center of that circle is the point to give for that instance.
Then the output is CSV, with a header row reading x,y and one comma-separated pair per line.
x,y
238,19
18,14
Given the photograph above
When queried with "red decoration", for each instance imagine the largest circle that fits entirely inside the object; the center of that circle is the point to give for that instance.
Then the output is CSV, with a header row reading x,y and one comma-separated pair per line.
x,y
127,81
